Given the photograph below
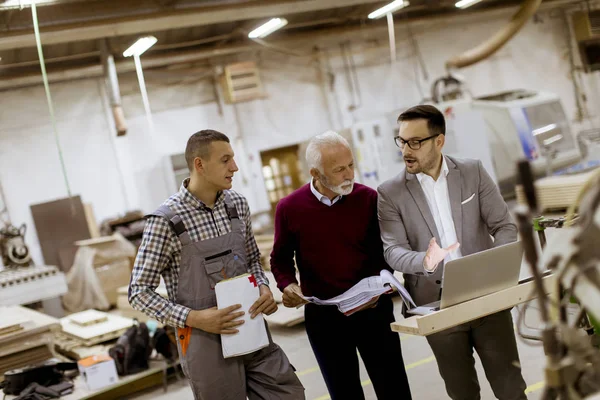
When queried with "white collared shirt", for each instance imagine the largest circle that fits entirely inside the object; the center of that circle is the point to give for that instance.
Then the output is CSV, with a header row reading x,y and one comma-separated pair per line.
x,y
438,200
321,197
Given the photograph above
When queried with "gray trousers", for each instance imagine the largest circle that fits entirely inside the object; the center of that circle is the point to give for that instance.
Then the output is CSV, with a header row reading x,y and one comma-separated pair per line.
x,y
493,337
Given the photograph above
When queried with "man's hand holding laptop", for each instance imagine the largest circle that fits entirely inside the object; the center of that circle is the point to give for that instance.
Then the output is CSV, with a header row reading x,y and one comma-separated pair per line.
x,y
435,255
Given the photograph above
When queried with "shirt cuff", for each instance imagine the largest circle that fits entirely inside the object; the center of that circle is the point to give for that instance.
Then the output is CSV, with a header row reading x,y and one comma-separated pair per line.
x,y
425,270
180,314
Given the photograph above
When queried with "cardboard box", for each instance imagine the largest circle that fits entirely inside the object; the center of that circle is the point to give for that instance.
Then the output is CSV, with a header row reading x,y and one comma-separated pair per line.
x,y
98,371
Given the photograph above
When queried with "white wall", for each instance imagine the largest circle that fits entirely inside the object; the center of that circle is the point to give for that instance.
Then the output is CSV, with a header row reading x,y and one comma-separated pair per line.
x,y
297,108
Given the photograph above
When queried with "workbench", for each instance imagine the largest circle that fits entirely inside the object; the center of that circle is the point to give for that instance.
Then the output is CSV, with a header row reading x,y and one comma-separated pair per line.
x,y
424,325
156,375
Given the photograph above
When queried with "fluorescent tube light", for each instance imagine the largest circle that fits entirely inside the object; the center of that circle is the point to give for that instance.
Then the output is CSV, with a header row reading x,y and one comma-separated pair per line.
x,y
543,129
140,46
390,8
553,139
466,3
268,28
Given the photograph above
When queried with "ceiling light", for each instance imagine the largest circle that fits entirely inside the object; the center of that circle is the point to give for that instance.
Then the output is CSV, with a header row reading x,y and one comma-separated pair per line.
x,y
544,129
390,8
466,3
140,46
553,139
23,3
268,28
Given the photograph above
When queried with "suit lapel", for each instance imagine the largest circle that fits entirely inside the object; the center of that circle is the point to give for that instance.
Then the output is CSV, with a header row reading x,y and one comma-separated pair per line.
x,y
455,194
419,196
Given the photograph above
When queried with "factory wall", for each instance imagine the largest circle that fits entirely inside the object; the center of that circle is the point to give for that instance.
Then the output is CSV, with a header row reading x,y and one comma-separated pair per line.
x,y
116,174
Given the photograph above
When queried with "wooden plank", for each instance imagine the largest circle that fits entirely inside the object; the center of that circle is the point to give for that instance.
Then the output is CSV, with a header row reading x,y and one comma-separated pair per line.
x,y
90,217
41,322
98,240
58,225
461,313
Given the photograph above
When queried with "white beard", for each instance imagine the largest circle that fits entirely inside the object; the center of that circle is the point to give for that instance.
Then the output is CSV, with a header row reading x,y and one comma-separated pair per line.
x,y
339,188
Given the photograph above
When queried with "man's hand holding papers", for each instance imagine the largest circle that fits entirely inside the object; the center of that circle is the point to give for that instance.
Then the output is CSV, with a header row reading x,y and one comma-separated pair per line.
x,y
366,293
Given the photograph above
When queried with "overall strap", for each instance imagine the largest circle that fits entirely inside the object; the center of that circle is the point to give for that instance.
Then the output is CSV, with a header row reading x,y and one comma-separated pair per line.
x,y
232,213
175,222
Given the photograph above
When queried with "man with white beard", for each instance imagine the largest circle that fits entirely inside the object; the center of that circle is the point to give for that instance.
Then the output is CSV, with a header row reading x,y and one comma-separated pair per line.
x,y
329,227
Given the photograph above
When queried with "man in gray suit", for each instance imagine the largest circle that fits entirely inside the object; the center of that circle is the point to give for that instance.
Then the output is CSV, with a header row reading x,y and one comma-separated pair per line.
x,y
436,210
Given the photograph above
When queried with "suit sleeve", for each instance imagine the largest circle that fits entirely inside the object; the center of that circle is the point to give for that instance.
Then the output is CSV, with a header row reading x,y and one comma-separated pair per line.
x,y
494,210
396,248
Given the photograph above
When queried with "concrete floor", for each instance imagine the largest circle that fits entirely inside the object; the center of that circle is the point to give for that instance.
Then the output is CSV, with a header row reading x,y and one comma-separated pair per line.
x,y
426,383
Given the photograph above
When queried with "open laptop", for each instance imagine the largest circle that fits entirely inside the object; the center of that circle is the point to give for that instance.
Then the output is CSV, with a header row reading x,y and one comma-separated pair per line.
x,y
477,275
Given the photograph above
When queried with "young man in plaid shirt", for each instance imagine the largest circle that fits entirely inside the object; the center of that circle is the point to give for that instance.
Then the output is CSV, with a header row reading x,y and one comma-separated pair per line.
x,y
198,237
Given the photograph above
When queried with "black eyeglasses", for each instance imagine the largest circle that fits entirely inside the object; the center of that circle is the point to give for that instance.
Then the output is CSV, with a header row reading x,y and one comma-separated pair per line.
x,y
414,144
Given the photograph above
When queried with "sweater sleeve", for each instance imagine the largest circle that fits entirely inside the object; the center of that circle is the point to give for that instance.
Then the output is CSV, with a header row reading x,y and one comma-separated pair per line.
x,y
282,255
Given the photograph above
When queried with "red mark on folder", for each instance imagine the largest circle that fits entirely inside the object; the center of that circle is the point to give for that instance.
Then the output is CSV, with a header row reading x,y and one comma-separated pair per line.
x,y
252,279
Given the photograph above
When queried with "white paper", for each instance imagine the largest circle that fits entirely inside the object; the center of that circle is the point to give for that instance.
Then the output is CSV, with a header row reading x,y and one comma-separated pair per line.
x,y
252,335
364,291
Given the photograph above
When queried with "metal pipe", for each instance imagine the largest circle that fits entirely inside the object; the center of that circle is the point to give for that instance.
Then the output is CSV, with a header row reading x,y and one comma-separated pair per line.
x,y
112,88
495,43
392,37
142,83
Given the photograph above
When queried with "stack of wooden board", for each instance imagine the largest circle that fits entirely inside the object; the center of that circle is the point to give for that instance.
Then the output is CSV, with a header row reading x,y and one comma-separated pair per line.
x,y
92,327
557,192
26,337
76,349
25,285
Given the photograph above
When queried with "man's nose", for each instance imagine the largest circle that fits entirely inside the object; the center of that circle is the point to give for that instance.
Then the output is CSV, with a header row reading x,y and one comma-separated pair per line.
x,y
234,166
348,174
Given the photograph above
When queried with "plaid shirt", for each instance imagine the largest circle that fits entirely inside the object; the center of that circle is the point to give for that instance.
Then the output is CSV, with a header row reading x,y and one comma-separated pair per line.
x,y
160,252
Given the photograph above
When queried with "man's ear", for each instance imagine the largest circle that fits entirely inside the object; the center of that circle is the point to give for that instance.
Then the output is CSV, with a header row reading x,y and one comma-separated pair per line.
x,y
314,173
198,164
440,140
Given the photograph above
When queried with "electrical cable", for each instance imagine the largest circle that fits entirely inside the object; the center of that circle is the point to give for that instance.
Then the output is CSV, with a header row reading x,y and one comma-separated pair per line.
x,y
48,95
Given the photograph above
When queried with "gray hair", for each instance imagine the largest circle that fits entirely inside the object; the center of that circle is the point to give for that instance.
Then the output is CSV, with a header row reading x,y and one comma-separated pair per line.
x,y
316,144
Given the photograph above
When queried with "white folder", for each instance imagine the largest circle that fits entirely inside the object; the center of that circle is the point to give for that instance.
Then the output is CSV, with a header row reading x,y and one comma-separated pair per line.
x,y
252,335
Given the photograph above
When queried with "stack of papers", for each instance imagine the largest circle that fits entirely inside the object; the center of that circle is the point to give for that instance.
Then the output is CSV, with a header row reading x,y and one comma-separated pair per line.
x,y
364,291
252,335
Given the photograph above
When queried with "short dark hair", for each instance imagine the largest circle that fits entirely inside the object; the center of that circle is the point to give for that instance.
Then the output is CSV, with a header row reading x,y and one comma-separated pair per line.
x,y
435,119
198,145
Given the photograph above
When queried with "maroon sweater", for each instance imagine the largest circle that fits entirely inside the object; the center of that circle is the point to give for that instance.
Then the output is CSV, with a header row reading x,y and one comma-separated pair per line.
x,y
335,247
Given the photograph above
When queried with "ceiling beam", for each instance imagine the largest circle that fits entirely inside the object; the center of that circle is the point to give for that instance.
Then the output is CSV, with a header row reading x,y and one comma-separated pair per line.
x,y
322,37
176,19
124,66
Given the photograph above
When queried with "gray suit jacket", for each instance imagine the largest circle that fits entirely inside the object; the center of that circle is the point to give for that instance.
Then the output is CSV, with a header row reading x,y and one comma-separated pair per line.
x,y
407,225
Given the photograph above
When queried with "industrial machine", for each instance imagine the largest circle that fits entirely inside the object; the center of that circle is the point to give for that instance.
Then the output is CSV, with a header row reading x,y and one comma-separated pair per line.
x,y
573,362
502,128
527,124
13,250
